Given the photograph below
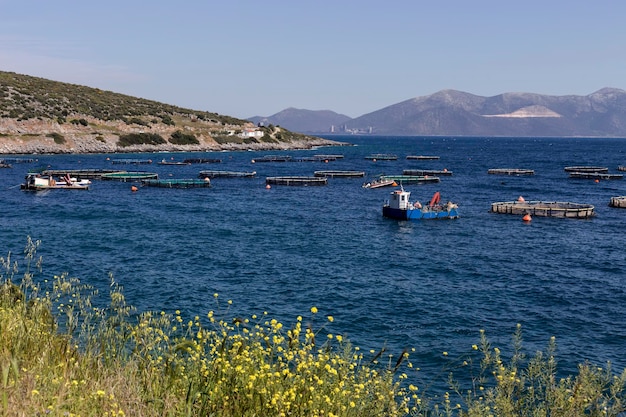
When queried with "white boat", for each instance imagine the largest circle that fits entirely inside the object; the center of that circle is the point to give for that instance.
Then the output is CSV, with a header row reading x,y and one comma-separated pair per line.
x,y
380,182
36,182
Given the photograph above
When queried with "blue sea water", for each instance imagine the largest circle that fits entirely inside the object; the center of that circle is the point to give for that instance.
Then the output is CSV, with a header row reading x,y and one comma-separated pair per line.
x,y
428,285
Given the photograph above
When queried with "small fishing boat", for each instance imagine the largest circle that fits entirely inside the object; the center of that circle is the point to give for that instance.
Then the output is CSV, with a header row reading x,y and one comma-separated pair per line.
x,y
380,182
400,207
36,182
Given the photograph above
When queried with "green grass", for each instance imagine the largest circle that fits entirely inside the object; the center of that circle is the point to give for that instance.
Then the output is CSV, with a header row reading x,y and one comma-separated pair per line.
x,y
61,355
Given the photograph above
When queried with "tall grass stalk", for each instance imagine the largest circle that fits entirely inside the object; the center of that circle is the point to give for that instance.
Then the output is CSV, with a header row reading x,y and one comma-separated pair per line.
x,y
61,355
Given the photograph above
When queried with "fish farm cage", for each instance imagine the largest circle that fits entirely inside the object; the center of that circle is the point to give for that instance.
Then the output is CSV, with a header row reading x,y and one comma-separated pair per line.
x,y
544,209
129,176
177,183
296,181
510,171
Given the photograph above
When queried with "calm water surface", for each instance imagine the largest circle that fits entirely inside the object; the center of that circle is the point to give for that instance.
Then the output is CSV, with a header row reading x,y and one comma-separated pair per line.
x,y
424,285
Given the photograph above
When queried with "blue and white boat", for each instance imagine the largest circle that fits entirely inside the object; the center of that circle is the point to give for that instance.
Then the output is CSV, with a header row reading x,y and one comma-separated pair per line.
x,y
400,207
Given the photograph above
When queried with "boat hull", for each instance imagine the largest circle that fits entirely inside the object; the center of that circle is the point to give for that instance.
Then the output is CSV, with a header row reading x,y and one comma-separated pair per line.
x,y
419,214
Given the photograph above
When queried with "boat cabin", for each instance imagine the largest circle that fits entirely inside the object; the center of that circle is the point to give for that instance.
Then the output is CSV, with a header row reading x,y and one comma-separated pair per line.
x,y
399,199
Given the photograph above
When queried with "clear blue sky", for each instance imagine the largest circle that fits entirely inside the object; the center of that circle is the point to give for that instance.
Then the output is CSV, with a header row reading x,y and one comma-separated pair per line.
x,y
256,58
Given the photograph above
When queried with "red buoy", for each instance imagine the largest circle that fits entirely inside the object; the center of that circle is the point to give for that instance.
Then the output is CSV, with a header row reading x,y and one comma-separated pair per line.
x,y
527,217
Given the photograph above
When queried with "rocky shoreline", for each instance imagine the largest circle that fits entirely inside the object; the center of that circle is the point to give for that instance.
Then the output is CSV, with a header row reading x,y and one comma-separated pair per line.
x,y
90,146
37,137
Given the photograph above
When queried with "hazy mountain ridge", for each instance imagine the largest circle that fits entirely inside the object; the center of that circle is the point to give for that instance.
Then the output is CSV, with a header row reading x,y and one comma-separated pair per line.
x,y
457,113
304,120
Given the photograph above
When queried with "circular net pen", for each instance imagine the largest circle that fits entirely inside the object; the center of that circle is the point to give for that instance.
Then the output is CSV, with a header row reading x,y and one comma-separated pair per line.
x,y
544,209
177,183
129,176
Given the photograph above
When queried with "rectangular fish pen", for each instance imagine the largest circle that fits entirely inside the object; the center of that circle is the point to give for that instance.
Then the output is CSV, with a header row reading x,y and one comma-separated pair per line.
x,y
596,175
296,180
411,179
177,183
131,161
226,174
421,157
424,172
345,174
510,171
544,209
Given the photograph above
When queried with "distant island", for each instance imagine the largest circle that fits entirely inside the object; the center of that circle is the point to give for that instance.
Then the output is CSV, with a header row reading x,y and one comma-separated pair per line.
x,y
456,113
42,116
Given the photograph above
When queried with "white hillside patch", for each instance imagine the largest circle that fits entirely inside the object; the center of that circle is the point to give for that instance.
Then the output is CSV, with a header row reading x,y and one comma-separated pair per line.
x,y
530,111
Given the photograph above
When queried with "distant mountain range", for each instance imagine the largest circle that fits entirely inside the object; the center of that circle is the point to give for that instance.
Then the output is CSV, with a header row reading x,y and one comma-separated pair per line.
x,y
456,113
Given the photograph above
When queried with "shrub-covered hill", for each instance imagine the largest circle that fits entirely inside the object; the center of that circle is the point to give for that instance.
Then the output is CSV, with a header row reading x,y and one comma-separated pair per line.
x,y
43,116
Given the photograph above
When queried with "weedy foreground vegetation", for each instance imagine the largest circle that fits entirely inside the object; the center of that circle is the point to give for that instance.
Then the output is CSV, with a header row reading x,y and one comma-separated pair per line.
x,y
60,355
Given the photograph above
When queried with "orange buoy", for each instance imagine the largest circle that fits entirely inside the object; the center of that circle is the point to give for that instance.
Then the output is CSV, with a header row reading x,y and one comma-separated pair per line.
x,y
133,188
597,181
394,184
527,217
267,187
520,199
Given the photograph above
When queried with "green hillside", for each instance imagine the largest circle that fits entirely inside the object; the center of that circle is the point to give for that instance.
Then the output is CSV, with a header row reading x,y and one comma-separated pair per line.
x,y
40,115
25,97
